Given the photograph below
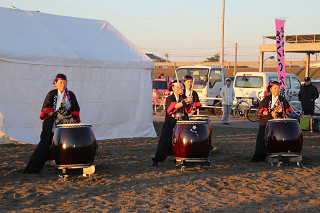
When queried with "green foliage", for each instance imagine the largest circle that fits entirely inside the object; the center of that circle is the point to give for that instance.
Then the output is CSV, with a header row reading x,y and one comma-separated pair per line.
x,y
214,58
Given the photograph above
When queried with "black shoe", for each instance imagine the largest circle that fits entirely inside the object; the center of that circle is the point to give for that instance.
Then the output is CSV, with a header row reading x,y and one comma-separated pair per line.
x,y
154,163
259,158
30,172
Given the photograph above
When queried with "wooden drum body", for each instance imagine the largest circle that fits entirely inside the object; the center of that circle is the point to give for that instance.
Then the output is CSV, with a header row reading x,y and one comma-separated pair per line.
x,y
283,136
191,140
74,144
205,118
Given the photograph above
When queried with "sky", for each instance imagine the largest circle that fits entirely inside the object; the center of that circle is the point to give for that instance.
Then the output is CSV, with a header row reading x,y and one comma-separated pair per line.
x,y
190,30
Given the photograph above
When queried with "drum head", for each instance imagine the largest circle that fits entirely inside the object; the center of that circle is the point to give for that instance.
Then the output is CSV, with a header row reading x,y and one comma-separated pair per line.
x,y
191,122
73,125
283,120
199,117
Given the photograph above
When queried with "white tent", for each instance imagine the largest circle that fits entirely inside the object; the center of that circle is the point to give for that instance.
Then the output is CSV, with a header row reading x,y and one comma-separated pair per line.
x,y
109,75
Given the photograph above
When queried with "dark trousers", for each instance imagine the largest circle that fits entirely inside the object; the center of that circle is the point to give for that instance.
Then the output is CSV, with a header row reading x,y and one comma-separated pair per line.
x,y
261,149
40,154
308,112
165,143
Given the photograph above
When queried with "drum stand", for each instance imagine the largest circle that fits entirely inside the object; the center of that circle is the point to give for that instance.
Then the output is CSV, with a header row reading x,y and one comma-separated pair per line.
x,y
88,170
182,162
286,157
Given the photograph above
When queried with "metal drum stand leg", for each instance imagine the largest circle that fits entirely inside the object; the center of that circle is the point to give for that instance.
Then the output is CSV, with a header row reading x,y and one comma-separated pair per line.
x,y
183,162
87,170
280,158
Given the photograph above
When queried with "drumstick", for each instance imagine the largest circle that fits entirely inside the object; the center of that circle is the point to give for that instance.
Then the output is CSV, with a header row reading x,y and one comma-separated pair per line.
x,y
177,77
192,86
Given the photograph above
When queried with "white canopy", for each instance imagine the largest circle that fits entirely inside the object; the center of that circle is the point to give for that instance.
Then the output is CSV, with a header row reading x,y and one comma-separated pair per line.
x,y
109,75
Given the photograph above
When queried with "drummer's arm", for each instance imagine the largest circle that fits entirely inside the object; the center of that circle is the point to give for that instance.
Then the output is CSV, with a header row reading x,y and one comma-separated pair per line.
x,y
178,105
183,102
57,115
273,113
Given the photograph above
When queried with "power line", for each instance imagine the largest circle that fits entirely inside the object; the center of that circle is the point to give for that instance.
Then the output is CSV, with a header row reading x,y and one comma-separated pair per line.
x,y
124,16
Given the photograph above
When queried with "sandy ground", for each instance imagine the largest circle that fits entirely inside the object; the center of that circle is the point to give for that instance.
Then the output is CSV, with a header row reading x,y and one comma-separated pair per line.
x,y
125,181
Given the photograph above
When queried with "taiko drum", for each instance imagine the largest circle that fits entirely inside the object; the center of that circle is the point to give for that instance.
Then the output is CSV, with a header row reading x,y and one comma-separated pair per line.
x,y
191,139
74,144
283,135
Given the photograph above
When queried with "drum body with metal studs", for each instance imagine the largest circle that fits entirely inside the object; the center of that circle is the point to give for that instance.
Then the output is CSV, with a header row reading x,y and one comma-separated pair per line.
x,y
283,136
74,144
191,139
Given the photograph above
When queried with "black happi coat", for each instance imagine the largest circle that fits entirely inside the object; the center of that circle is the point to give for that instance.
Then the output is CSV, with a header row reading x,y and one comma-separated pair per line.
x,y
165,142
42,152
265,105
195,99
307,93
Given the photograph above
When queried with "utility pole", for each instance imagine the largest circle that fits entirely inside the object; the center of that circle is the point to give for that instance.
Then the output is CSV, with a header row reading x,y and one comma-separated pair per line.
x,y
222,36
235,59
167,56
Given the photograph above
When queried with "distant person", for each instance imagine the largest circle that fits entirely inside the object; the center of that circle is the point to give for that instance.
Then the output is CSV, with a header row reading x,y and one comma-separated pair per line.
x,y
272,106
187,81
227,94
176,109
161,76
307,95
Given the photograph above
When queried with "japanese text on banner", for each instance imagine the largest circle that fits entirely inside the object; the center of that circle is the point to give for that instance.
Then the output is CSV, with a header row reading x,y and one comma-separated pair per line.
x,y
280,40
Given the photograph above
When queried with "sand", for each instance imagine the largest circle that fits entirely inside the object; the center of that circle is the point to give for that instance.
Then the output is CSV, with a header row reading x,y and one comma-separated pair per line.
x,y
125,181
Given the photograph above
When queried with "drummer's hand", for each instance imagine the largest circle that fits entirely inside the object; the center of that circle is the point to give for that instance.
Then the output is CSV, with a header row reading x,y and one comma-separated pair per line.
x,y
192,112
72,121
60,117
189,99
274,114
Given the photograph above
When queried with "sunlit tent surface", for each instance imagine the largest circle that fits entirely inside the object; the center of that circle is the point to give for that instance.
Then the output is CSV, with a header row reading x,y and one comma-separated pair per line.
x,y
109,75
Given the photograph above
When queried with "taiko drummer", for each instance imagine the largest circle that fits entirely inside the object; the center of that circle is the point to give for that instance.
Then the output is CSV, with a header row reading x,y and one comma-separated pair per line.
x,y
60,107
272,106
188,91
177,108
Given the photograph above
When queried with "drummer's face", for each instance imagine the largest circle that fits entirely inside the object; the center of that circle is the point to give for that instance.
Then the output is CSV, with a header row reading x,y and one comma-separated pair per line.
x,y
188,84
61,85
177,89
275,90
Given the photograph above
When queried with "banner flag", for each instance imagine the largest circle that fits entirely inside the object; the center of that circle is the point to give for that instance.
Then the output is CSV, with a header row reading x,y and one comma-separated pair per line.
x,y
280,40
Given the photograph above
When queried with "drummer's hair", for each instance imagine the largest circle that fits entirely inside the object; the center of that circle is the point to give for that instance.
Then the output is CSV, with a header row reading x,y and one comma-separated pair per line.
x,y
171,84
187,77
60,76
272,83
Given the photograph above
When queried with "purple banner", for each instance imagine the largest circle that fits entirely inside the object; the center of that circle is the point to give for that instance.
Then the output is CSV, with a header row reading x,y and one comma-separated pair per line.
x,y
280,40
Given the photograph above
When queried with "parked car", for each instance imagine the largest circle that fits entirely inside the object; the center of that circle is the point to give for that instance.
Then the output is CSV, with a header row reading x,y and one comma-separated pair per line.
x,y
208,81
159,87
253,85
160,92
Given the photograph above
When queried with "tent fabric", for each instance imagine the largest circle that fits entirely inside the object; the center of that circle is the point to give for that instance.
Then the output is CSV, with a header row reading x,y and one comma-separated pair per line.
x,y
38,38
110,77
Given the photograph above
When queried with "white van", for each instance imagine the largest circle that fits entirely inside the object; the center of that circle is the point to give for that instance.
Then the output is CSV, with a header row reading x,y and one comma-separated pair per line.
x,y
208,81
253,85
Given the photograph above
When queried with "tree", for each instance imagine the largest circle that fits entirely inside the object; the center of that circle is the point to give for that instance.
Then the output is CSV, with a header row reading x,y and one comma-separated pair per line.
x,y
214,58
